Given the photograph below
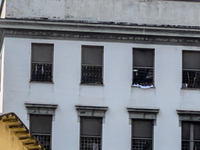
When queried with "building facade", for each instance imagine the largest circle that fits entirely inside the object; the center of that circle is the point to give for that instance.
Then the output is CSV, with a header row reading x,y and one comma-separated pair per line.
x,y
103,75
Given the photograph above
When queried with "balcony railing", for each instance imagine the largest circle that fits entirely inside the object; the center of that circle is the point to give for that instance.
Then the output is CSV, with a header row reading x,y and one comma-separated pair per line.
x,y
45,140
191,79
41,72
141,144
92,74
90,143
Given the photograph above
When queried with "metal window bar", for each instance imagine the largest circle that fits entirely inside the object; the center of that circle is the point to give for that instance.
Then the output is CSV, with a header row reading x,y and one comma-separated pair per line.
x,y
141,144
41,72
191,79
143,76
186,145
44,139
90,143
92,74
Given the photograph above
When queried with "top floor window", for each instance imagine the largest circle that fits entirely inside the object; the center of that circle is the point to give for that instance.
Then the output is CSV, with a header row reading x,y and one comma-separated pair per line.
x,y
92,65
191,69
41,62
143,67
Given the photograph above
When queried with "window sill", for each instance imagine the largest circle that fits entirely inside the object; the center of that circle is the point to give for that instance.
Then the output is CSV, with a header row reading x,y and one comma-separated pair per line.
x,y
45,82
91,84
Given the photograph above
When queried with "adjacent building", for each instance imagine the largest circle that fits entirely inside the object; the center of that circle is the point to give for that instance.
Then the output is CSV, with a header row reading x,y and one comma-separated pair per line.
x,y
103,75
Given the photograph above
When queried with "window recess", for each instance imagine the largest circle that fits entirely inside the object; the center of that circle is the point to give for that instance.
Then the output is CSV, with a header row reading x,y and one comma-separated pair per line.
x,y
143,68
42,62
191,69
92,65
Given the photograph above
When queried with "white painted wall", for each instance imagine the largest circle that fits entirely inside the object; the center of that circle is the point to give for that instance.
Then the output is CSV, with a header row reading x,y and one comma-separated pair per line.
x,y
116,93
136,11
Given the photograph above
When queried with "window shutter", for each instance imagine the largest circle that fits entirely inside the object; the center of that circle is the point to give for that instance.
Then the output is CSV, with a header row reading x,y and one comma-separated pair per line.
x,y
143,58
91,126
42,53
92,55
142,128
191,60
40,124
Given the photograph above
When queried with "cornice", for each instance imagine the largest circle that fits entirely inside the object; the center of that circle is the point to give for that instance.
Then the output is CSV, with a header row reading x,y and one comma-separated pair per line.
x,y
106,28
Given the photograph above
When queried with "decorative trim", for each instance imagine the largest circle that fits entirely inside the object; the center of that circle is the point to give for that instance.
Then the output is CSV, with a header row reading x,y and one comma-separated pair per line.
x,y
142,113
91,111
44,109
188,115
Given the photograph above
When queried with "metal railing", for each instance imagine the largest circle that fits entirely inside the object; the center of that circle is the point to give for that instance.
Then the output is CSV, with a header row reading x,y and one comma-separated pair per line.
x,y
143,76
92,74
141,144
90,143
44,139
41,72
191,79
186,145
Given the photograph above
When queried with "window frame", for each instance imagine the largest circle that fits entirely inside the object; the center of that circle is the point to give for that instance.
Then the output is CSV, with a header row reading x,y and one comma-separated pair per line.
x,y
90,136
185,85
138,67
52,64
143,114
91,112
191,116
41,109
102,74
42,134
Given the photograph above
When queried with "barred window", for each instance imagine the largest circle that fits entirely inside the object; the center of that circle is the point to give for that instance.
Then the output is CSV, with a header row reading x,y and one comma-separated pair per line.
x,y
42,61
92,64
190,135
40,127
91,131
191,69
142,134
143,67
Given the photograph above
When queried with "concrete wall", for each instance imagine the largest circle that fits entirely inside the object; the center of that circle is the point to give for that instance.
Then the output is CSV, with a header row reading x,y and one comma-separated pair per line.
x,y
116,93
137,11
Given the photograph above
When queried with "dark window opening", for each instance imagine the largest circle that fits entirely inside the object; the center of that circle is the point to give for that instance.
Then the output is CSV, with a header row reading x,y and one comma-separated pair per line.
x,y
91,131
142,134
92,64
191,69
190,135
40,127
42,61
143,67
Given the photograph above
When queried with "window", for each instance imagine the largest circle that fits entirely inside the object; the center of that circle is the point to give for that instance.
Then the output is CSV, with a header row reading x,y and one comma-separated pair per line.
x,y
92,64
42,61
142,134
143,67
40,127
191,69
190,135
143,120
91,130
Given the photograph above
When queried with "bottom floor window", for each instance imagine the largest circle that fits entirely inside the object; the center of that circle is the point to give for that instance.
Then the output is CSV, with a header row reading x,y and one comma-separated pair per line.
x,y
190,135
91,130
142,134
40,127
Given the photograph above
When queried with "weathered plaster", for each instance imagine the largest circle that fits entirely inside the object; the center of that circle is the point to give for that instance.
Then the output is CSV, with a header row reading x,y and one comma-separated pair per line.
x,y
137,11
